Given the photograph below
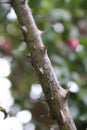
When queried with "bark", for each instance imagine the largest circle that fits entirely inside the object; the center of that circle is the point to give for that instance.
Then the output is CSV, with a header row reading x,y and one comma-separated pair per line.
x,y
56,96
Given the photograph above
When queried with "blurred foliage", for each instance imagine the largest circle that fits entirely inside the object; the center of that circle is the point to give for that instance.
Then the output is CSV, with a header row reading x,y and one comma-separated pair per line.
x,y
64,26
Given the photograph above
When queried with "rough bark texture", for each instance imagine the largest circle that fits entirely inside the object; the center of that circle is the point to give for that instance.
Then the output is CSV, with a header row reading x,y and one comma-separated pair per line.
x,y
56,96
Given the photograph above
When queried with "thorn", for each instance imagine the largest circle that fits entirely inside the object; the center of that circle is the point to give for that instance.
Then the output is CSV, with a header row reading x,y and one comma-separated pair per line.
x,y
55,127
62,117
28,55
34,47
44,50
67,94
41,70
23,28
40,32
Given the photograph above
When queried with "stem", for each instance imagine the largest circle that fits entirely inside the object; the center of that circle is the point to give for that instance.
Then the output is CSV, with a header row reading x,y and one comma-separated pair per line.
x,y
56,96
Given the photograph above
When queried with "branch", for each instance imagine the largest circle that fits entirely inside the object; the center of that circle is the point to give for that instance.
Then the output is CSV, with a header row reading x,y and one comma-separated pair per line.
x,y
56,96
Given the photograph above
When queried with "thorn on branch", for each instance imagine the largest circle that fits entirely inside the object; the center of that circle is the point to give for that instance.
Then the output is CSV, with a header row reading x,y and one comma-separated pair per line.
x,y
34,47
55,127
23,28
62,117
40,32
28,55
41,70
67,93
44,50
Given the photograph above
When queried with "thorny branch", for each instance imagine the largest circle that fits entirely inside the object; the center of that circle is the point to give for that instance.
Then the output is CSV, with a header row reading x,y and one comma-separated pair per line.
x,y
56,96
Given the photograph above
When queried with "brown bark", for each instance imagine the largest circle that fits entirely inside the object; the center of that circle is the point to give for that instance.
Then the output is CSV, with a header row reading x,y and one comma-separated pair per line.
x,y
56,96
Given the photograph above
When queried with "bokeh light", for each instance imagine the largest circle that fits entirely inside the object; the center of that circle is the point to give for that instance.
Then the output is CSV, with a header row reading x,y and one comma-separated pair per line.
x,y
74,88
24,116
4,67
36,91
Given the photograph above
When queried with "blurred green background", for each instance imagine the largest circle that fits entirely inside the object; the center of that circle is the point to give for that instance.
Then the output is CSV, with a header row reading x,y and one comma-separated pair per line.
x,y
64,27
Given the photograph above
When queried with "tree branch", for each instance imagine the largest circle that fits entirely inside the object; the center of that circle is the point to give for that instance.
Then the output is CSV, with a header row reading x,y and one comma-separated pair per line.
x,y
56,96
